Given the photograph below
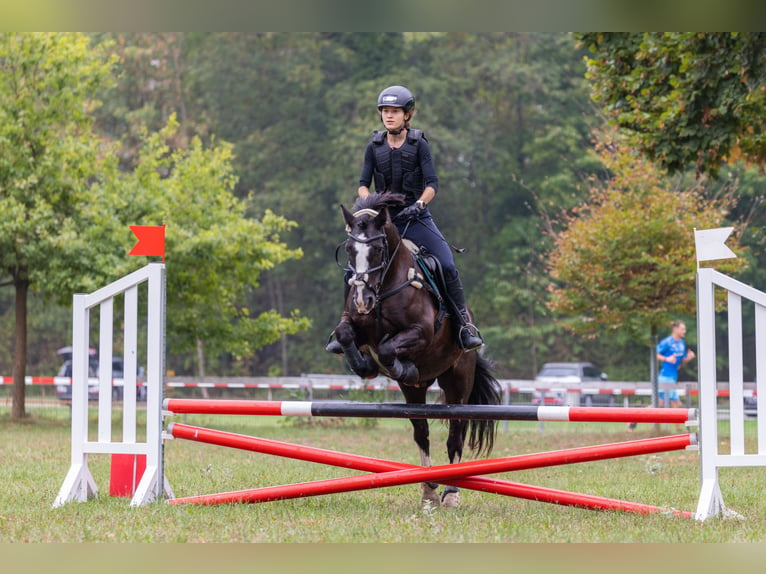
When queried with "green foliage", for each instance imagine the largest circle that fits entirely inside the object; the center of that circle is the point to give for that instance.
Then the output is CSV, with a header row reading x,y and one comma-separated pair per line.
x,y
215,253
686,98
67,200
626,260
48,156
282,119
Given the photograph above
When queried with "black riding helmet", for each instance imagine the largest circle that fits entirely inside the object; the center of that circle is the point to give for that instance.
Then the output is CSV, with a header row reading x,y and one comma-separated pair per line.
x,y
396,97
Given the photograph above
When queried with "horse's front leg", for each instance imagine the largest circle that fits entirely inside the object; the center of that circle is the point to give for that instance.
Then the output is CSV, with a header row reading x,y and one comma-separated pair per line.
x,y
430,490
395,354
455,441
361,363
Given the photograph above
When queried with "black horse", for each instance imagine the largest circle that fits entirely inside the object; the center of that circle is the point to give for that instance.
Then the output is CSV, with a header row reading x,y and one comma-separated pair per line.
x,y
394,325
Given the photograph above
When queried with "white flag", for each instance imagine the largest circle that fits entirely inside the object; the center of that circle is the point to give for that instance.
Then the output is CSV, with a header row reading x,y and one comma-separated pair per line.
x,y
710,244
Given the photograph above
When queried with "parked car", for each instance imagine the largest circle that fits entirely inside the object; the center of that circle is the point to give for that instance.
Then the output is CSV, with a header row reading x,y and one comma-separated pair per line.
x,y
751,406
578,372
64,391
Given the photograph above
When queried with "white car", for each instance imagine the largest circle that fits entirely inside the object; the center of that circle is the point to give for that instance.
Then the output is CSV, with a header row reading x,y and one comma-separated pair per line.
x,y
578,372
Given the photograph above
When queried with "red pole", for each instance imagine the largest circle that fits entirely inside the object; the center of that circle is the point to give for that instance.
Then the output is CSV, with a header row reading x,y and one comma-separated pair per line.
x,y
397,473
223,407
629,415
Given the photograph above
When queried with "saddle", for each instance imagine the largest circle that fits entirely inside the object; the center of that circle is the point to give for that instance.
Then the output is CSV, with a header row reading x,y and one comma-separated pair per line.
x,y
434,282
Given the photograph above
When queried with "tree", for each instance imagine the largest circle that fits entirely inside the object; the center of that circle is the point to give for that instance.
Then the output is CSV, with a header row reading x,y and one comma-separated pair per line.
x,y
48,155
511,142
215,250
684,98
626,259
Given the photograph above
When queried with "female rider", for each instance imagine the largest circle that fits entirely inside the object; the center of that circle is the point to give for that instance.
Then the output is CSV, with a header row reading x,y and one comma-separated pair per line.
x,y
399,160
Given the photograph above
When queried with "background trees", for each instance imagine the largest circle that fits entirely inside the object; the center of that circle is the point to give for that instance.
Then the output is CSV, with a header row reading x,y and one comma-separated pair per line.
x,y
66,206
626,260
280,121
48,154
685,98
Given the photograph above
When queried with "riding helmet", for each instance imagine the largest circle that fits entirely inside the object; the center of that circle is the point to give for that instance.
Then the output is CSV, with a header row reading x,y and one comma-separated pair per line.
x,y
396,97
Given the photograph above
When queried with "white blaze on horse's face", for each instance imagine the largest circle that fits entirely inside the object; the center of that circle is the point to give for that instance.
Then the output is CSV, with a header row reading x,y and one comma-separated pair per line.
x,y
367,250
361,264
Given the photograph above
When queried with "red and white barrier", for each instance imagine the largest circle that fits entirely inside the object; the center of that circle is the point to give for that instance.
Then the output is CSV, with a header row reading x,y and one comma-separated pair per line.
x,y
340,383
435,411
461,474
79,484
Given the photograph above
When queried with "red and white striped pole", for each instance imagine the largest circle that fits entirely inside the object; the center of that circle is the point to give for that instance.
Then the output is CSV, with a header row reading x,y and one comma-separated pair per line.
x,y
392,473
438,411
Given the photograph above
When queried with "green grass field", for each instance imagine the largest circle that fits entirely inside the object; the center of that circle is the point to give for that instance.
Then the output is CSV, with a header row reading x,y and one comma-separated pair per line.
x,y
35,455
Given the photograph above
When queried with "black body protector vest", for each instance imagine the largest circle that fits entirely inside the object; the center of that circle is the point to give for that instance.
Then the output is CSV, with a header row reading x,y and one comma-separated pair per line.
x,y
398,170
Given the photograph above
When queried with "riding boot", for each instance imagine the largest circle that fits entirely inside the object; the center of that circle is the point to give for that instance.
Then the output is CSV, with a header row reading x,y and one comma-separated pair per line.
x,y
333,345
468,335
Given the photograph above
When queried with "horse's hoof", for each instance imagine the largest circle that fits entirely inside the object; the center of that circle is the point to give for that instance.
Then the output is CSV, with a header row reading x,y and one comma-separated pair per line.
x,y
334,347
451,500
430,498
404,372
368,373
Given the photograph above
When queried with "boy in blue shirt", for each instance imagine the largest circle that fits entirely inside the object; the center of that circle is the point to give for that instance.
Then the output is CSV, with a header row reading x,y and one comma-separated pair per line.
x,y
672,352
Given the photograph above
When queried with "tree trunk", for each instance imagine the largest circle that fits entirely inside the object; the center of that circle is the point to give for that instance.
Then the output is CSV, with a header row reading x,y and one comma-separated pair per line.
x,y
201,366
653,373
275,288
653,366
18,410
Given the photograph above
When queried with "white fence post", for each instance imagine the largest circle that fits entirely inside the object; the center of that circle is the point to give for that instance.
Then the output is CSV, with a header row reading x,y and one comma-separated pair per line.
x,y
711,459
79,484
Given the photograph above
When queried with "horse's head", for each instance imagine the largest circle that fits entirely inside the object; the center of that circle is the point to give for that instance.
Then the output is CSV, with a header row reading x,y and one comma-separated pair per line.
x,y
368,227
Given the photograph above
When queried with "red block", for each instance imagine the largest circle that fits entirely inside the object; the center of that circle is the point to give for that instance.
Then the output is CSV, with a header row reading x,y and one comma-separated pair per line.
x,y
126,473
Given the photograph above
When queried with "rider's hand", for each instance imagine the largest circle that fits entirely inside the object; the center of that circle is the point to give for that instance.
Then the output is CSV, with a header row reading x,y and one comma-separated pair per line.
x,y
410,212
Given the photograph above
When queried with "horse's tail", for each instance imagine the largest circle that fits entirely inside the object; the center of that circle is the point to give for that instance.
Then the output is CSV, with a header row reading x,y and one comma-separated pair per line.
x,y
486,391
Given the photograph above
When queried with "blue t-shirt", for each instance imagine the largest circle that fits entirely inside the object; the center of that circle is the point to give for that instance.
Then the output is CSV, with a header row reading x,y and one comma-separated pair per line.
x,y
667,347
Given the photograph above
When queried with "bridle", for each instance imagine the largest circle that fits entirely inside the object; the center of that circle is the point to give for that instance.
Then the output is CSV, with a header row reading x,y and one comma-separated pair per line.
x,y
363,279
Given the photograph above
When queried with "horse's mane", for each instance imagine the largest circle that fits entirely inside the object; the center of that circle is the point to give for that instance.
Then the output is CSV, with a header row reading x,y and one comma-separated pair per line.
x,y
378,201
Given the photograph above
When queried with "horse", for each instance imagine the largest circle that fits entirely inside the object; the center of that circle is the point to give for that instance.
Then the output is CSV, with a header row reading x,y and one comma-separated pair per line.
x,y
393,325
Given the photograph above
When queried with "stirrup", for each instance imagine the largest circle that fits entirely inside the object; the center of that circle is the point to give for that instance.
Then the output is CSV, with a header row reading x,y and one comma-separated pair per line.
x,y
469,337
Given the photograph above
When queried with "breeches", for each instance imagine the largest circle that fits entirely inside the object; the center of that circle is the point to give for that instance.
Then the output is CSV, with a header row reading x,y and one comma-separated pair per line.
x,y
424,233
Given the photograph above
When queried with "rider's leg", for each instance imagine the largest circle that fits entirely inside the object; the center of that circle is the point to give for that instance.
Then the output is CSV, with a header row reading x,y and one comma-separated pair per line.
x,y
333,346
424,232
468,334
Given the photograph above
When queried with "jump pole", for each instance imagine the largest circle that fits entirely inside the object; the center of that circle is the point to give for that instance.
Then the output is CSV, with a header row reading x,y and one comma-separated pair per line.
x,y
392,473
436,411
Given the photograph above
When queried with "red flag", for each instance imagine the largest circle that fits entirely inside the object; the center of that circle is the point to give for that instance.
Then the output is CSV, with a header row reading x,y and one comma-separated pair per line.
x,y
151,240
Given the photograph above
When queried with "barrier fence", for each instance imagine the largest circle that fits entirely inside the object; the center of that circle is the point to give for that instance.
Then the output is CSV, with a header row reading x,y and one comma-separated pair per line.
x,y
429,411
79,484
713,455
514,390
461,474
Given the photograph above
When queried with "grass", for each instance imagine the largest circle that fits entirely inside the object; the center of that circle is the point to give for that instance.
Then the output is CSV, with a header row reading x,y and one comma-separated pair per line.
x,y
35,456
